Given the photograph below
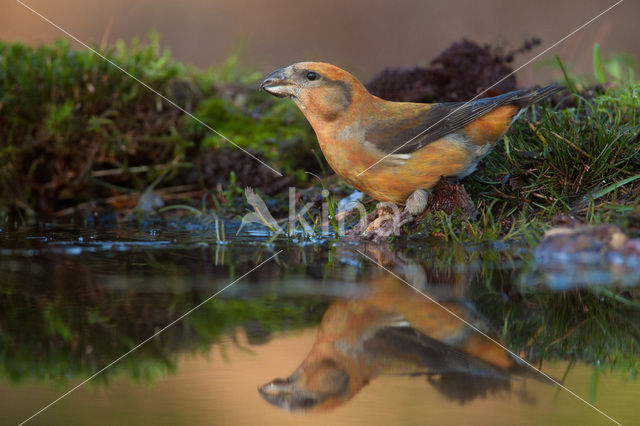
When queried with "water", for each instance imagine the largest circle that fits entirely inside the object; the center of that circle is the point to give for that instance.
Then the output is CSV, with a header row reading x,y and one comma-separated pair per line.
x,y
320,330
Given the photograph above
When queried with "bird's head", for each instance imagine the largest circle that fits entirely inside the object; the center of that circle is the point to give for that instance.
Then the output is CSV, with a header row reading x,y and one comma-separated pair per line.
x,y
322,91
316,386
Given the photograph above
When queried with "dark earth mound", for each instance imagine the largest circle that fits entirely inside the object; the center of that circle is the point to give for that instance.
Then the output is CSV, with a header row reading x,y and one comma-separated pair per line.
x,y
459,73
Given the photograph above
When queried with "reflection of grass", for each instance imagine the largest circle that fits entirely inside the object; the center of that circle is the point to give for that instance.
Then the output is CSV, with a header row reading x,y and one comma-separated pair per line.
x,y
42,352
62,331
594,325
68,332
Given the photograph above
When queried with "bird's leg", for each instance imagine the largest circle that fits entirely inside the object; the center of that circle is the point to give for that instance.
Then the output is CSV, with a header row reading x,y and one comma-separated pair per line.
x,y
387,219
417,202
389,222
359,228
386,211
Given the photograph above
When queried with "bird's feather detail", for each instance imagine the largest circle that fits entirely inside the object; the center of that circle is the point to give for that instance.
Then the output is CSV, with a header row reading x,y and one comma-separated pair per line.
x,y
410,132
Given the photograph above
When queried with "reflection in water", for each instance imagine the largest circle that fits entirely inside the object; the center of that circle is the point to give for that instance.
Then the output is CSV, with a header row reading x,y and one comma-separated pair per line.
x,y
394,330
72,301
68,308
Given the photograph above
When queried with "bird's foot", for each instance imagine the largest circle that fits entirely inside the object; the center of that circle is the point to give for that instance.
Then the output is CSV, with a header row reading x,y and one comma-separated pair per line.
x,y
387,219
389,222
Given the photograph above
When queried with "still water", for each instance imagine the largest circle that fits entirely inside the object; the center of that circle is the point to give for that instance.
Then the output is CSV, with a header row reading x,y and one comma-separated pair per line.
x,y
323,333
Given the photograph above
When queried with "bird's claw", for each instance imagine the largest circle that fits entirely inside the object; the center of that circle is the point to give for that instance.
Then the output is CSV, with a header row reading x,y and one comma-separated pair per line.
x,y
386,225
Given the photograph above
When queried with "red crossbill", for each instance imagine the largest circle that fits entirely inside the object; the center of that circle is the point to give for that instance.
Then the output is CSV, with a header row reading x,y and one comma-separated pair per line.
x,y
395,151
393,330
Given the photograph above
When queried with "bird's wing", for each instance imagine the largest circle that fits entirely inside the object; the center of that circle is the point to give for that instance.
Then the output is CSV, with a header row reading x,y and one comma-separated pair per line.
x,y
408,346
402,133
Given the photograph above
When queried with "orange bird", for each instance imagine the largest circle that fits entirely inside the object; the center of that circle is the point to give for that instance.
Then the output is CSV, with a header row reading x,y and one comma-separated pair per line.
x,y
393,330
395,151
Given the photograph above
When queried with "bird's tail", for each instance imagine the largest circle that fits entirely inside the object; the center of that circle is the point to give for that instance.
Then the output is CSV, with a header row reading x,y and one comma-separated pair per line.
x,y
526,98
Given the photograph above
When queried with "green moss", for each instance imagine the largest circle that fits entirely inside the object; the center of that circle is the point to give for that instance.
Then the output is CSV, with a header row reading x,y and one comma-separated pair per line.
x,y
65,114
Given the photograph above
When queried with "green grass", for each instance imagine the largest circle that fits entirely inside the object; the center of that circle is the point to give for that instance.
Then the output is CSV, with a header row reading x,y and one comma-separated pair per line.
x,y
557,160
76,131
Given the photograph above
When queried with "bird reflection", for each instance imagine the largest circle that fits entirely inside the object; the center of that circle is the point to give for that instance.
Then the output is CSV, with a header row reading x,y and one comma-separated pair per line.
x,y
394,330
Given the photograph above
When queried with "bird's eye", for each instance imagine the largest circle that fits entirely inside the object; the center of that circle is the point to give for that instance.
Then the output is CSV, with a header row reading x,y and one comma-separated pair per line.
x,y
312,76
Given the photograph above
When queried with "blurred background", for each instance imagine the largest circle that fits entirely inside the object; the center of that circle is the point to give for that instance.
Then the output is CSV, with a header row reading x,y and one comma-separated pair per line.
x,y
361,36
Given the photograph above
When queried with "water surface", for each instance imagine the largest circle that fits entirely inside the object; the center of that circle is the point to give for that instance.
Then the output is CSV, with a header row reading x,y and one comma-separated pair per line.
x,y
319,334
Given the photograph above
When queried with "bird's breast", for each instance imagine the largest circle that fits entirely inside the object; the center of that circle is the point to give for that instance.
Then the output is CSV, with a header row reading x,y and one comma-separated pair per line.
x,y
351,160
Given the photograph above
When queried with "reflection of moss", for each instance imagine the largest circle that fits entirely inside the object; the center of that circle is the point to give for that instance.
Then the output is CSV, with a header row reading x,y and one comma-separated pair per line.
x,y
31,351
59,332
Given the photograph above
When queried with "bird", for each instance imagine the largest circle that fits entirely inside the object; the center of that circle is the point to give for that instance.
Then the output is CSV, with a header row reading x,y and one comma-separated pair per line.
x,y
396,151
392,330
